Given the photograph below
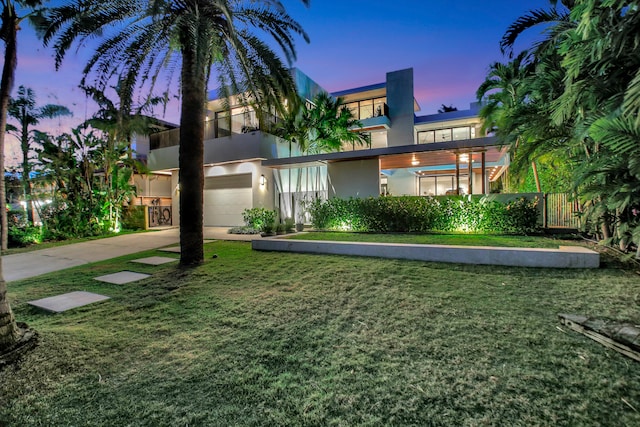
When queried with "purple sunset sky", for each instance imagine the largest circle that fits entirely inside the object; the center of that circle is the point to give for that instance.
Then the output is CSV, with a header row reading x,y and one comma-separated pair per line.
x,y
449,44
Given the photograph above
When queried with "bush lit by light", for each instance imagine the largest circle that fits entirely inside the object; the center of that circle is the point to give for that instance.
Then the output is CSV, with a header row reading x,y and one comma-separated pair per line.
x,y
426,214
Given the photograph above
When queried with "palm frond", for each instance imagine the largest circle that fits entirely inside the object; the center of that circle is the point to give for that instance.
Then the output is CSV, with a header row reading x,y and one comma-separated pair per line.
x,y
620,134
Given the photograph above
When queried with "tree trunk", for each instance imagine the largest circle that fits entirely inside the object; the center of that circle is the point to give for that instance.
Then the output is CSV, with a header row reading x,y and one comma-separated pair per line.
x,y
191,158
605,227
9,334
26,171
536,176
8,329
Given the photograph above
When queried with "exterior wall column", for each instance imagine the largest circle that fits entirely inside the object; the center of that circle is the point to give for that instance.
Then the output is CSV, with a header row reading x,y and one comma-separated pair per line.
x,y
175,199
484,172
470,171
457,173
400,101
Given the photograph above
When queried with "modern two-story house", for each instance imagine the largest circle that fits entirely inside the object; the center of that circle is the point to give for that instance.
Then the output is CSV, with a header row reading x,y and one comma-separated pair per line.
x,y
246,166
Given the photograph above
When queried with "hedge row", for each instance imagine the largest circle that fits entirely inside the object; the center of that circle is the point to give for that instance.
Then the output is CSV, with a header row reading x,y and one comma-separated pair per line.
x,y
426,214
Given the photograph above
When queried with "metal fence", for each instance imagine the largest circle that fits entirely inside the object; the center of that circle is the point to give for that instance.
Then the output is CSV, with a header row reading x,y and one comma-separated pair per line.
x,y
159,215
560,211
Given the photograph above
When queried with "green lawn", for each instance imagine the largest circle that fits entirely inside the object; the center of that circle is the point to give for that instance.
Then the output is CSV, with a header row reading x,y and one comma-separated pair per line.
x,y
254,338
443,239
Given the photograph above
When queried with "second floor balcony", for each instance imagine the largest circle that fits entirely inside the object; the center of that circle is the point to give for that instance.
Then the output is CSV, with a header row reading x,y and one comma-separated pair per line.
x,y
372,113
218,127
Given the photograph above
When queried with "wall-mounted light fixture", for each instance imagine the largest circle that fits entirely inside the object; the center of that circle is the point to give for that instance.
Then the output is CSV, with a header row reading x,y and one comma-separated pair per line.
x,y
263,180
464,158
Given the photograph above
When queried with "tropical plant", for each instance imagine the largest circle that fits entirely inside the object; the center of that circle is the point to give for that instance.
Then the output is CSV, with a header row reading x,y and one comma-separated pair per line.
x,y
26,114
11,20
322,125
119,121
148,37
502,93
289,225
427,214
82,202
257,218
591,45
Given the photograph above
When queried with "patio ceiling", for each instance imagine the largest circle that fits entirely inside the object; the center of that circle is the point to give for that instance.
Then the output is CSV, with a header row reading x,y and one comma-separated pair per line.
x,y
438,158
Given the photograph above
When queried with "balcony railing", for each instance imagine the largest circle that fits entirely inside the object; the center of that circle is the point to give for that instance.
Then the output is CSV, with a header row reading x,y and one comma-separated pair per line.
x,y
216,128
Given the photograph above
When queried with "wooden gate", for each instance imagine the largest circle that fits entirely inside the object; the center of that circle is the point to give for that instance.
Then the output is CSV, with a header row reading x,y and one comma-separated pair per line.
x,y
560,212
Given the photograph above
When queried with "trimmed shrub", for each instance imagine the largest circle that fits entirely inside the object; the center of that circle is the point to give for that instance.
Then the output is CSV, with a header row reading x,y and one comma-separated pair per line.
x,y
289,225
258,217
133,218
426,214
20,237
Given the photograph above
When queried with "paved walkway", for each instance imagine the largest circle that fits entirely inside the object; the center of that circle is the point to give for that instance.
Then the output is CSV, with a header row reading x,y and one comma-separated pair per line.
x,y
35,263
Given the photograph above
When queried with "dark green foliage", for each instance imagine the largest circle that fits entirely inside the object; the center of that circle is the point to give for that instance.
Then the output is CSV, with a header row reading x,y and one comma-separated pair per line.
x,y
258,217
83,204
289,225
24,236
574,96
80,218
423,214
322,126
16,219
268,227
133,218
555,176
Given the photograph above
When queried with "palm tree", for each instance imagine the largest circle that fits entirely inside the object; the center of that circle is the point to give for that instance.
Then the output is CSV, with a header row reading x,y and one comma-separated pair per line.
x,y
333,125
9,331
196,35
504,94
594,51
23,109
119,121
321,125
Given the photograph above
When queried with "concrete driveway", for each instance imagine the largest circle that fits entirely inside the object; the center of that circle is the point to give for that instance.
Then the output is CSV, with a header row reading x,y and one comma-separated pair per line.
x,y
35,263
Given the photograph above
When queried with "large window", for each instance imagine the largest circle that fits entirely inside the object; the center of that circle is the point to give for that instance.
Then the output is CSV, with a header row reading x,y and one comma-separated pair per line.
x,y
442,185
377,139
241,120
368,108
447,134
426,137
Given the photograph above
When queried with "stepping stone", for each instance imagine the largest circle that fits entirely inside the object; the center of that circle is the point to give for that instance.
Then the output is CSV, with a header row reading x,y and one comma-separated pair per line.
x,y
65,302
122,277
155,260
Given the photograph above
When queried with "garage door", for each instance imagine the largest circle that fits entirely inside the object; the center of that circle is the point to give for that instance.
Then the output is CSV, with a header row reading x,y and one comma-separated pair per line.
x,y
225,197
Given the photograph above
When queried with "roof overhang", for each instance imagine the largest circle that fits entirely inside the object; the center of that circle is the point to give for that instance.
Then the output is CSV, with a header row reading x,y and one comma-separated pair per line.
x,y
417,149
